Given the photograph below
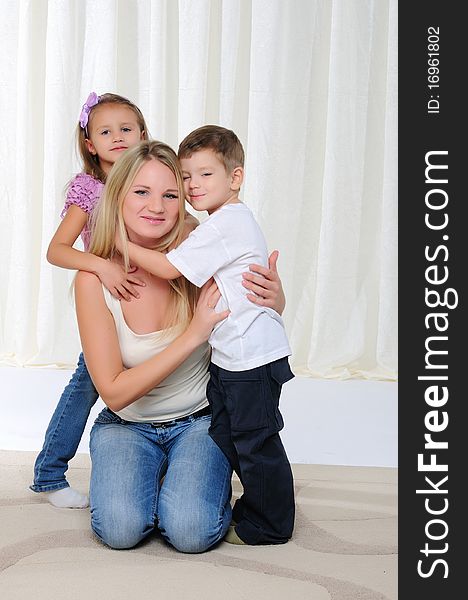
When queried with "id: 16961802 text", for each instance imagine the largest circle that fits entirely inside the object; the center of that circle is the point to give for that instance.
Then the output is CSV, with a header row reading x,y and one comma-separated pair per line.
x,y
433,46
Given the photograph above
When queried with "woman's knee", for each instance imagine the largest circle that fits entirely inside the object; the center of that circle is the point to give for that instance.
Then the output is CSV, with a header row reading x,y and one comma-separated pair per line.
x,y
191,539
119,529
193,532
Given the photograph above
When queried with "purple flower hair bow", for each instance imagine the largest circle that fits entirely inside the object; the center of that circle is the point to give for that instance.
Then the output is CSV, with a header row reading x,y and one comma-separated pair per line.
x,y
92,100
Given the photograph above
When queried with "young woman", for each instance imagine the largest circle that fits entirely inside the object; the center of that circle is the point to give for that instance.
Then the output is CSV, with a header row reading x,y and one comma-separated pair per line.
x,y
153,462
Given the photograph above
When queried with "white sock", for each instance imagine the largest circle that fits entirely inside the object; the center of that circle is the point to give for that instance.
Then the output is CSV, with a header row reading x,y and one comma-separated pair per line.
x,y
68,498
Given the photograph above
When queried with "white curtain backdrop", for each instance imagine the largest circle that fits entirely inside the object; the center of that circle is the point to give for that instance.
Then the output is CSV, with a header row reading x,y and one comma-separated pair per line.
x,y
310,87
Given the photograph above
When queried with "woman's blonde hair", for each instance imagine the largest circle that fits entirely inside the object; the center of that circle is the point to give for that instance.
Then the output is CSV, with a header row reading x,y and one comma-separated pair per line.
x,y
91,164
107,220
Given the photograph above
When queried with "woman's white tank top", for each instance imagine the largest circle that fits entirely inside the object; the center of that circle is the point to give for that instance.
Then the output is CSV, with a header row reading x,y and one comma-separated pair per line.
x,y
180,394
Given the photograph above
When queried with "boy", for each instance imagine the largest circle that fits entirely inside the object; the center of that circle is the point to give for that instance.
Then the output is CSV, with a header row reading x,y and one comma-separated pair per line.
x,y
249,349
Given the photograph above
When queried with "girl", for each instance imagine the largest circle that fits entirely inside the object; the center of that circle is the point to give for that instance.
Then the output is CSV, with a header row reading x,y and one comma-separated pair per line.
x,y
108,125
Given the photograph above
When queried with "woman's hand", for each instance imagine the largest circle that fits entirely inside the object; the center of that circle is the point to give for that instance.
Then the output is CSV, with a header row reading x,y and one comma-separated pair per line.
x,y
119,283
205,317
265,284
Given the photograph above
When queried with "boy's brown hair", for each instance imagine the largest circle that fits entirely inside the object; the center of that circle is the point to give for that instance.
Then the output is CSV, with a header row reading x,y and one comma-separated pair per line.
x,y
223,142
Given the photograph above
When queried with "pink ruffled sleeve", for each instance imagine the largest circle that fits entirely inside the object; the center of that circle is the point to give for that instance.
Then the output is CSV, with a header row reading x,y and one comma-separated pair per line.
x,y
84,191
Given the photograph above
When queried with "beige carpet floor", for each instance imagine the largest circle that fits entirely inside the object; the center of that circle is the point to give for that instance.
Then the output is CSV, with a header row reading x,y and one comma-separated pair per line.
x,y
344,546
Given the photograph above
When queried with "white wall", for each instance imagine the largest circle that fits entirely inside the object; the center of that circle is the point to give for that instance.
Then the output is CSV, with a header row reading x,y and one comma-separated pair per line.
x,y
352,422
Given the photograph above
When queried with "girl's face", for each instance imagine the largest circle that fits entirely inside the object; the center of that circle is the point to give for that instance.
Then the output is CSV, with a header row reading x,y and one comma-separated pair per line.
x,y
151,206
112,128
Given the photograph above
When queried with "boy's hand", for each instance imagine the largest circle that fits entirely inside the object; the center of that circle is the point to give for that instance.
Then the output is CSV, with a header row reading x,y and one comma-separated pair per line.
x,y
266,285
119,283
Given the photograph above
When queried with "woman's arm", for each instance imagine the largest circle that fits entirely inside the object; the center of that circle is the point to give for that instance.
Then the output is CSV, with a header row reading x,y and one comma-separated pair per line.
x,y
117,386
62,254
266,285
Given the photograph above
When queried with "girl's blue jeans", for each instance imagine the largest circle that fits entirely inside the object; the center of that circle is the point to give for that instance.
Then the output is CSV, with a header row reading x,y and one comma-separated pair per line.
x,y
64,432
172,477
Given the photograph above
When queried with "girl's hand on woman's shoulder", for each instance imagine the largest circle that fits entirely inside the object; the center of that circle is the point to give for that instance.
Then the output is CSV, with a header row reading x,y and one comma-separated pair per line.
x,y
265,283
119,283
205,317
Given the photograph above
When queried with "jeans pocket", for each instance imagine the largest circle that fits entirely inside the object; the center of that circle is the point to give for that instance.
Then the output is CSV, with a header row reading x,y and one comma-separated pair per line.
x,y
106,416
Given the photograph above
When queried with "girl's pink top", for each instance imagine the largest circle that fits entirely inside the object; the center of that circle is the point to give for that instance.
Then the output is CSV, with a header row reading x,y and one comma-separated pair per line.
x,y
84,191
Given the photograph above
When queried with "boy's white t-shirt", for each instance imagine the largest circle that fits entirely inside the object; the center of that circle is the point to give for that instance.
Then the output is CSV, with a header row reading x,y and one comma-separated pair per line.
x,y
223,247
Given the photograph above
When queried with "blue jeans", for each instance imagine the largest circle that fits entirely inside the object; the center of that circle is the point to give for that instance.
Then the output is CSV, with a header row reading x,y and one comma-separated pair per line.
x,y
64,432
190,507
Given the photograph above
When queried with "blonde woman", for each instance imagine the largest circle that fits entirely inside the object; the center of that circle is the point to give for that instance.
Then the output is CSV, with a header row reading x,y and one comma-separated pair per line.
x,y
149,359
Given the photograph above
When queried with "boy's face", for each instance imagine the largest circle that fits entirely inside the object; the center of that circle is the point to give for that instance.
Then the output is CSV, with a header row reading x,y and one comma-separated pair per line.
x,y
207,184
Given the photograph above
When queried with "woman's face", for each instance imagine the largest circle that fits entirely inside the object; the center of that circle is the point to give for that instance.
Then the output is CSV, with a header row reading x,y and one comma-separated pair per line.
x,y
151,206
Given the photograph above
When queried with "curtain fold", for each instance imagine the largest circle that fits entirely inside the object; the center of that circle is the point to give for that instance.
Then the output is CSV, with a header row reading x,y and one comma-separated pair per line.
x,y
310,87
